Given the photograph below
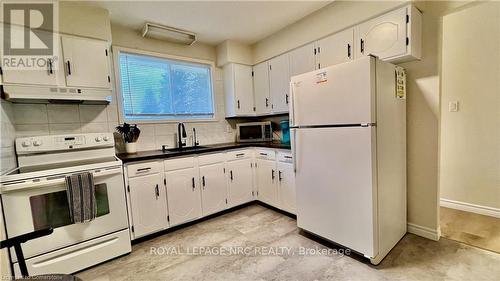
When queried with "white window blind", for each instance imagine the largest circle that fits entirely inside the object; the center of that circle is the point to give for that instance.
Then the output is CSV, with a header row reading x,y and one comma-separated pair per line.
x,y
155,88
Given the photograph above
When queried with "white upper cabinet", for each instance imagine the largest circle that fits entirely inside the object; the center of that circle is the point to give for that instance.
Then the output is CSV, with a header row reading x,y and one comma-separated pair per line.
x,y
394,36
213,188
148,204
279,83
336,48
184,198
302,60
86,62
238,87
261,88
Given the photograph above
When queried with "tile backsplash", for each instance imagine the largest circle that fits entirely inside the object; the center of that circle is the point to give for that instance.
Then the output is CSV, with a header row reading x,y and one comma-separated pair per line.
x,y
54,119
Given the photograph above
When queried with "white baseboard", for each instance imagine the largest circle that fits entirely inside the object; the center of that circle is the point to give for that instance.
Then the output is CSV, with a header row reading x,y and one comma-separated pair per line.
x,y
423,231
472,208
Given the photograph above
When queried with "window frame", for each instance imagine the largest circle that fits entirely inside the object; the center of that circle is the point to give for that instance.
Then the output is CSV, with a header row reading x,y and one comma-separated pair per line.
x,y
117,50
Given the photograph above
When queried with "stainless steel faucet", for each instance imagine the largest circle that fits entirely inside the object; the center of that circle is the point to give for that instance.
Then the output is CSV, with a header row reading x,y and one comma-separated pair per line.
x,y
195,140
181,133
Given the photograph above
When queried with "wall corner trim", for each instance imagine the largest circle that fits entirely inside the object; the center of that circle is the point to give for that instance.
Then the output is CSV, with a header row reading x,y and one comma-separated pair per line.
x,y
429,233
472,208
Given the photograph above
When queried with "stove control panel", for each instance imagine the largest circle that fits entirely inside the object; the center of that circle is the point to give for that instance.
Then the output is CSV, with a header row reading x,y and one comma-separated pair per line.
x,y
56,143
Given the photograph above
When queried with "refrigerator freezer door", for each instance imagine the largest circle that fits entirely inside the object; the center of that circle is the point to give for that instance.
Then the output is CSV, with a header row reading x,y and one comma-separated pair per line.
x,y
336,185
340,94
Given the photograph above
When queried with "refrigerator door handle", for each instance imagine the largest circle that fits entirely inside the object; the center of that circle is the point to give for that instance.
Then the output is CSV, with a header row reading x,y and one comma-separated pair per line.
x,y
291,109
294,150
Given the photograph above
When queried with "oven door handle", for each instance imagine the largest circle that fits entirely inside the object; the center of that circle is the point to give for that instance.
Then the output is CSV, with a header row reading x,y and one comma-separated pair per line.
x,y
5,188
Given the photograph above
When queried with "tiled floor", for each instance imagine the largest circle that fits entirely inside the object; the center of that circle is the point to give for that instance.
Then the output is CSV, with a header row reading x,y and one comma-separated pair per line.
x,y
257,227
469,228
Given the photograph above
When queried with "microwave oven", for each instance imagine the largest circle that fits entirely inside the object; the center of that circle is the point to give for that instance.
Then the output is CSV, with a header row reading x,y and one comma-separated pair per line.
x,y
254,131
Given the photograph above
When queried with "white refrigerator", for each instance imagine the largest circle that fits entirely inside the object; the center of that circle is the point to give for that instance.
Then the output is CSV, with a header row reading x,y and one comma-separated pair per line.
x,y
348,128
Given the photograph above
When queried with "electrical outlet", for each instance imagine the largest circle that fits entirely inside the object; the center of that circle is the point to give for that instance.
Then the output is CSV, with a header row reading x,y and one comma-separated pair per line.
x,y
453,106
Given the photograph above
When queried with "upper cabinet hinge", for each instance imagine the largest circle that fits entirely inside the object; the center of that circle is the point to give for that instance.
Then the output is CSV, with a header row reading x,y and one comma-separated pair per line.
x,y
407,41
106,50
407,18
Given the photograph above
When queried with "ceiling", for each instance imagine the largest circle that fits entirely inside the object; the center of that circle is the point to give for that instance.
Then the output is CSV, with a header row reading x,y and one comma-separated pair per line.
x,y
213,22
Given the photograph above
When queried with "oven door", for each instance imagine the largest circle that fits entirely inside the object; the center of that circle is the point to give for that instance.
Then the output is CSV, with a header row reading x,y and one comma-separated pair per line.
x,y
30,206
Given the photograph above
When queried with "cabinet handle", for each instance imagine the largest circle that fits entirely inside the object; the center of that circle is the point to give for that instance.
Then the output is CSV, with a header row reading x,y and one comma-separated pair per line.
x,y
362,44
143,169
288,157
272,174
68,63
279,176
240,154
348,50
192,181
203,181
267,102
49,65
238,104
157,192
231,175
265,154
286,98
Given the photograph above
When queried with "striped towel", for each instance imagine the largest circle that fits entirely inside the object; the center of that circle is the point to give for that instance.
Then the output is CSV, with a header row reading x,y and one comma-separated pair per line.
x,y
81,197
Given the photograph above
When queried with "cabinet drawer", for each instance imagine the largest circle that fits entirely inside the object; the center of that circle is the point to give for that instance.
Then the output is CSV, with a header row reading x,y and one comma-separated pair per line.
x,y
238,154
146,168
211,158
178,163
285,157
265,154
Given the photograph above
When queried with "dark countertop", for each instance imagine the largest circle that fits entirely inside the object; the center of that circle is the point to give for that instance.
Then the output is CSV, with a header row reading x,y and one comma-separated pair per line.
x,y
159,154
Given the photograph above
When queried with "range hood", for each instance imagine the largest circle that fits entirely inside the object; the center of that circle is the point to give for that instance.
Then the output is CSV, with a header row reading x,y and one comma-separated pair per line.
x,y
37,94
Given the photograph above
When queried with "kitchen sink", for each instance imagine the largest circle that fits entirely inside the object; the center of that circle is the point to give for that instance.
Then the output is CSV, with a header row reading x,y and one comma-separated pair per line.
x,y
181,149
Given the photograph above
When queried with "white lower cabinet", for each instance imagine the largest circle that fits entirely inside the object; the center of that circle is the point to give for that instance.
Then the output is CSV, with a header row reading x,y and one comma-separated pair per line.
x,y
286,187
148,204
266,176
183,195
213,188
188,188
240,183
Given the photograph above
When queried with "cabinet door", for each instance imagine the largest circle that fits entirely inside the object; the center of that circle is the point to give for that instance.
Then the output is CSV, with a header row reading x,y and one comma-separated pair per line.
x,y
336,48
243,89
86,62
240,182
279,81
183,195
45,75
213,188
286,189
384,36
148,203
266,181
261,88
302,60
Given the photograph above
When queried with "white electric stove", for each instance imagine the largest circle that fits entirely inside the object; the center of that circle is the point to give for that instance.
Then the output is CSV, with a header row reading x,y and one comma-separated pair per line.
x,y
34,197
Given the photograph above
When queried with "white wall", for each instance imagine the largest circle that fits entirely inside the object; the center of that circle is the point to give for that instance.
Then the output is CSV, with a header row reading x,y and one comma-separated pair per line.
x,y
40,119
423,90
470,138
